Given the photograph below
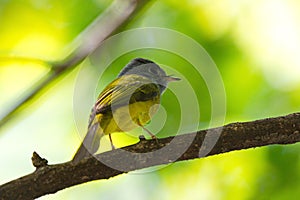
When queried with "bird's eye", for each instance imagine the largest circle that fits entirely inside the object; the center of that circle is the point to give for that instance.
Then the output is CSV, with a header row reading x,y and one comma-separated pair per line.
x,y
153,70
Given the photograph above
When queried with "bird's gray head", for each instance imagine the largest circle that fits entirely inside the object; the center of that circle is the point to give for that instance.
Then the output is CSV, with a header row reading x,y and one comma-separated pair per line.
x,y
149,69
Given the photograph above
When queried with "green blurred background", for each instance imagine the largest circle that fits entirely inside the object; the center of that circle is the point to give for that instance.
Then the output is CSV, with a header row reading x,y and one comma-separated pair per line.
x,y
255,45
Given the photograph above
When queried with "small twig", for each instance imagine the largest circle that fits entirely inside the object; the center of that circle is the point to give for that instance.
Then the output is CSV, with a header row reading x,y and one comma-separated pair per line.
x,y
38,161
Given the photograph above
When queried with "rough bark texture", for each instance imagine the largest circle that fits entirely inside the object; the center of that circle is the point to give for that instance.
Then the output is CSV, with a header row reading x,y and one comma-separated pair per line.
x,y
49,179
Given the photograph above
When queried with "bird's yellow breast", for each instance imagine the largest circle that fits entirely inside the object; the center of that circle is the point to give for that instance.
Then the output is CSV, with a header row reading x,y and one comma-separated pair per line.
x,y
128,117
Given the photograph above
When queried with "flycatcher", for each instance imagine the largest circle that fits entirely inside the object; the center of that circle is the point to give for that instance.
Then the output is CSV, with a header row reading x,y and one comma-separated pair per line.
x,y
126,103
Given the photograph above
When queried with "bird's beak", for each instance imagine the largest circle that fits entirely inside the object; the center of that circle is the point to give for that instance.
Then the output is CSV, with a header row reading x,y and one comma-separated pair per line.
x,y
171,79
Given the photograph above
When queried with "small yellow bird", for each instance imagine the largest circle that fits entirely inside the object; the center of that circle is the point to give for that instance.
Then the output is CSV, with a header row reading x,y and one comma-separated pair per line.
x,y
126,103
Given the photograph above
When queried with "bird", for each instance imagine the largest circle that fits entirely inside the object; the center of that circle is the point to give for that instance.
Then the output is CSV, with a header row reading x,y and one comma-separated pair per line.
x,y
126,103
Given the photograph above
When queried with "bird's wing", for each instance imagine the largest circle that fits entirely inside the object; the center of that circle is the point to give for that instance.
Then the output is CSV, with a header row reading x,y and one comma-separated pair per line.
x,y
124,90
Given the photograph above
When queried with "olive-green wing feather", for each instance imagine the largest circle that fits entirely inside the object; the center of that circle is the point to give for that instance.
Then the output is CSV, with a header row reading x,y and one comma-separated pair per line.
x,y
125,90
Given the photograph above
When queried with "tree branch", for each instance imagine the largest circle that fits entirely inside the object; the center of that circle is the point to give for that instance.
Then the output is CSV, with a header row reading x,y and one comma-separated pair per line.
x,y
49,179
112,20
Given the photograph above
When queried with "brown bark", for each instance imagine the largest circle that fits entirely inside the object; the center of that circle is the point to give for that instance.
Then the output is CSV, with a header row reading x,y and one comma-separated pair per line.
x,y
49,179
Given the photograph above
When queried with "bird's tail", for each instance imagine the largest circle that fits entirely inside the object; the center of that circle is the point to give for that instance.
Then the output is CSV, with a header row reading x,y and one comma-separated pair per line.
x,y
90,144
